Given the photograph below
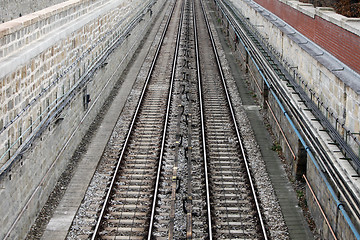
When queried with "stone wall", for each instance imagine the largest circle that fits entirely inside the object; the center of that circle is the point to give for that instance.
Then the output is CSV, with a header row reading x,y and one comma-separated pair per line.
x,y
45,88
11,9
330,83
37,49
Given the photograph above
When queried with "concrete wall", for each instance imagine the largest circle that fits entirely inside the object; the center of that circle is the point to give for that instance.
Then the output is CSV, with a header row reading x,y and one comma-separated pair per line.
x,y
35,79
286,137
11,9
336,91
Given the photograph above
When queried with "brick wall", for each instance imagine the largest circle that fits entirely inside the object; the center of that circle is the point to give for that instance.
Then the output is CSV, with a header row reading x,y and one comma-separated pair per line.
x,y
340,42
336,96
333,90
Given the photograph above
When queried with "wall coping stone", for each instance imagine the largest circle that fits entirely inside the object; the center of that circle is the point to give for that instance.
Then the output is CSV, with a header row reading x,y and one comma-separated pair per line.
x,y
29,19
10,63
326,13
306,8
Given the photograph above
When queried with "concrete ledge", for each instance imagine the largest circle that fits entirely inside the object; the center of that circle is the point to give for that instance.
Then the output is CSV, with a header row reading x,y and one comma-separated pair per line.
x,y
306,8
320,78
19,58
24,21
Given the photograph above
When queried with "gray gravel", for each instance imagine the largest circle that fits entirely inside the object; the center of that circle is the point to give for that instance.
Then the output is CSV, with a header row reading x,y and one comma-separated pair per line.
x,y
91,203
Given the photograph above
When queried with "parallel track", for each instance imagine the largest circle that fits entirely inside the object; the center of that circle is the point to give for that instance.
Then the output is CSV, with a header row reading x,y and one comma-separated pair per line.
x,y
182,171
271,71
233,208
180,206
126,208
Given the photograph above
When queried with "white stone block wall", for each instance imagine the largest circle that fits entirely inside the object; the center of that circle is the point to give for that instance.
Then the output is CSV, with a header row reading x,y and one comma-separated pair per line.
x,y
29,28
31,68
68,50
334,91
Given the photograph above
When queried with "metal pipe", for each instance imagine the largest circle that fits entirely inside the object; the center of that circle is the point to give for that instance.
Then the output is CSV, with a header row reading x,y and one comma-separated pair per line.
x,y
321,210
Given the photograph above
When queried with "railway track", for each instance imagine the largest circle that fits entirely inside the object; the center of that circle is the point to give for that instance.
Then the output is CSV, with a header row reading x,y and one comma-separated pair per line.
x,y
274,74
181,172
127,204
235,212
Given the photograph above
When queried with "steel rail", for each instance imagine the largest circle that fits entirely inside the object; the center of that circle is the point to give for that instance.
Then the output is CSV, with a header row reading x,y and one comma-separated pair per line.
x,y
202,120
311,139
310,143
325,164
187,202
107,198
219,65
166,121
189,215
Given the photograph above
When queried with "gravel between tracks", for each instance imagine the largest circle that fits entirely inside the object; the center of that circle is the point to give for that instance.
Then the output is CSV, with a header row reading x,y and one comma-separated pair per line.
x,y
85,218
269,204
